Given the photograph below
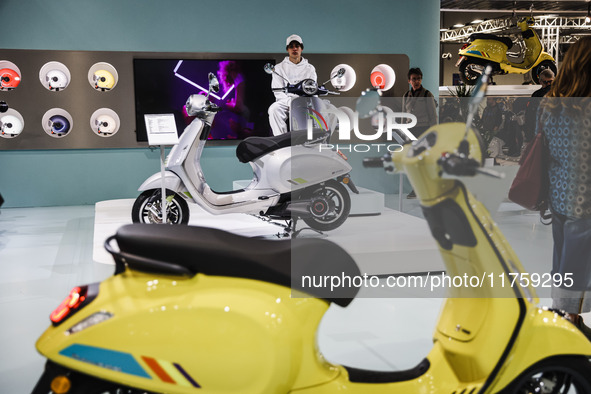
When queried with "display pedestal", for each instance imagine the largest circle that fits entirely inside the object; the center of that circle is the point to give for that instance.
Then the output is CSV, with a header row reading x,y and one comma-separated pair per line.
x,y
390,243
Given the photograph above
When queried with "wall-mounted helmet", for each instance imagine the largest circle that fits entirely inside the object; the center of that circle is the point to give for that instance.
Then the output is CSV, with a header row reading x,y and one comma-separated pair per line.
x,y
378,80
103,80
105,124
56,79
9,79
10,125
59,124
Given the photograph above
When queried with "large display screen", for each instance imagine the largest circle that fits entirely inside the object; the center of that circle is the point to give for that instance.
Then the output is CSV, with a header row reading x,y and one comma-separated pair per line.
x,y
162,86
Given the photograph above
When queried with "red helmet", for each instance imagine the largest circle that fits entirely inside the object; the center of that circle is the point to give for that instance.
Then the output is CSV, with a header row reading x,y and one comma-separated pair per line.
x,y
9,79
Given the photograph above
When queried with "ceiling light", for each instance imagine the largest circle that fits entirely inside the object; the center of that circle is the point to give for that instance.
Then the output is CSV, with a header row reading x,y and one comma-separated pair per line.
x,y
459,25
588,17
477,21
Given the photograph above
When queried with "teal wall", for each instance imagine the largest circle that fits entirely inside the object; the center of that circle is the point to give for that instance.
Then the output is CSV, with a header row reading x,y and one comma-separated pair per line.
x,y
46,178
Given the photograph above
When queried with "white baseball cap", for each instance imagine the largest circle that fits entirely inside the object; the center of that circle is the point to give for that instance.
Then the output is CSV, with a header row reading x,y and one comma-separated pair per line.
x,y
294,37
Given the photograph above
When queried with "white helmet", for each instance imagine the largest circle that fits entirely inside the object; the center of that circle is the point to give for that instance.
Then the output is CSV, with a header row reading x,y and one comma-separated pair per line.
x,y
11,125
56,79
105,124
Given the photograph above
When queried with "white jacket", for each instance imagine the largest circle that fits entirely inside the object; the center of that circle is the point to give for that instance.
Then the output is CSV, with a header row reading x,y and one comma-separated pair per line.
x,y
294,73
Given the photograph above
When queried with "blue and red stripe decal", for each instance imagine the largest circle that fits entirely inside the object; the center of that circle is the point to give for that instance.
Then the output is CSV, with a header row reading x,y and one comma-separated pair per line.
x,y
166,371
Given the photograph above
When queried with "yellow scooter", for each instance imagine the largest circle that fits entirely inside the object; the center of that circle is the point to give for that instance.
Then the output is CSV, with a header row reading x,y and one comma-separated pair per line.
x,y
197,310
491,49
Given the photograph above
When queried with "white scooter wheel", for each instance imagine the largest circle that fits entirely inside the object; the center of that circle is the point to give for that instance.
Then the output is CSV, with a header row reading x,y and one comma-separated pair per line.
x,y
329,207
147,208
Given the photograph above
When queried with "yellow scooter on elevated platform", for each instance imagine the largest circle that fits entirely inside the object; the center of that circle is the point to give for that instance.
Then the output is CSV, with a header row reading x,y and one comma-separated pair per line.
x,y
198,310
494,50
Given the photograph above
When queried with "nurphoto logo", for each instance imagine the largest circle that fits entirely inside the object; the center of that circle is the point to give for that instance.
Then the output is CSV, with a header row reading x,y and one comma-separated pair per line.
x,y
395,125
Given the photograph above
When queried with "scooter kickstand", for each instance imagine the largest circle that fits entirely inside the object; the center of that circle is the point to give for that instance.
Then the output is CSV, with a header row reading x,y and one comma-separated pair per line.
x,y
295,232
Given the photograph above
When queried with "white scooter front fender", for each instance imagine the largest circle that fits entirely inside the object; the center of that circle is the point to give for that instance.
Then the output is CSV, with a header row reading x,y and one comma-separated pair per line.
x,y
171,182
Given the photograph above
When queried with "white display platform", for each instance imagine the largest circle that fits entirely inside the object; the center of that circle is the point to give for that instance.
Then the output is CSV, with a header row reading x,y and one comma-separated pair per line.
x,y
390,243
367,202
497,90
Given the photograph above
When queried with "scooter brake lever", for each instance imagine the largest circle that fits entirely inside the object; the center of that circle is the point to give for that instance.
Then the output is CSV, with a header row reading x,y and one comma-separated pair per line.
x,y
492,173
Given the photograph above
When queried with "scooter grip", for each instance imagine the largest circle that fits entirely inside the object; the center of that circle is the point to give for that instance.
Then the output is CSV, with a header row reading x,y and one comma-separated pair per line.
x,y
373,162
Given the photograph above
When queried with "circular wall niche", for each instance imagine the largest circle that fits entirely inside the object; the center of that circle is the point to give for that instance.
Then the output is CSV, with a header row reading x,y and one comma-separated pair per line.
x,y
10,75
11,123
103,77
345,82
382,77
105,122
55,76
57,122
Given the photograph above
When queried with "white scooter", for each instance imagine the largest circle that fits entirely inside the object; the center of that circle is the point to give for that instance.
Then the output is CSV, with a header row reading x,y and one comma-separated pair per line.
x,y
293,177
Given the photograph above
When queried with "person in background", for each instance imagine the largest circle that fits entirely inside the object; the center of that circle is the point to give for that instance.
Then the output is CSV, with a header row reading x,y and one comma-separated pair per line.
x,y
492,122
421,103
565,120
294,68
546,78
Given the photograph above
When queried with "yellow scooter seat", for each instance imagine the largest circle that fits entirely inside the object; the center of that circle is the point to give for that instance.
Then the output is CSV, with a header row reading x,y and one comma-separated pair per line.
x,y
483,36
187,250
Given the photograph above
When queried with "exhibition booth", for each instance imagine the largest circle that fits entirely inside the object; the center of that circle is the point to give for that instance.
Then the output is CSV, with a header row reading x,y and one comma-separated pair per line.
x,y
298,262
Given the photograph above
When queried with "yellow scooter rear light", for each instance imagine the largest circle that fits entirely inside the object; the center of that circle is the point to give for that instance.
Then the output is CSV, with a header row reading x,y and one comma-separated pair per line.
x,y
76,297
60,385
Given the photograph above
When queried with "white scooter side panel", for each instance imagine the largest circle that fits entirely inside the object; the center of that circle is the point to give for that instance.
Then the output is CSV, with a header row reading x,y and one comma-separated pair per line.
x,y
300,166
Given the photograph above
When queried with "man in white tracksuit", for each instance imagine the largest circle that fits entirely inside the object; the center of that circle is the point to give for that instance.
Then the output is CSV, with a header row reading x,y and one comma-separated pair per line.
x,y
294,68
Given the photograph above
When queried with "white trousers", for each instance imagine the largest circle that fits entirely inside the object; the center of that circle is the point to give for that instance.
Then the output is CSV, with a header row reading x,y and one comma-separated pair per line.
x,y
278,115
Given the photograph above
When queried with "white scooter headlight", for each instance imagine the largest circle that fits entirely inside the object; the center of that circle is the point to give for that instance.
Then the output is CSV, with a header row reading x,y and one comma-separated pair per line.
x,y
106,124
56,79
11,125
196,104
310,87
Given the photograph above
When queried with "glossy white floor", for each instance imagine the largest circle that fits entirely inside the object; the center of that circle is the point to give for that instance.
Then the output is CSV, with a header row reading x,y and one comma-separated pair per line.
x,y
44,252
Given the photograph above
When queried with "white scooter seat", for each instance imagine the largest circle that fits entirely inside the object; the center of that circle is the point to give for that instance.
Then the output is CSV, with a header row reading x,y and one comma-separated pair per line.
x,y
254,147
191,250
483,36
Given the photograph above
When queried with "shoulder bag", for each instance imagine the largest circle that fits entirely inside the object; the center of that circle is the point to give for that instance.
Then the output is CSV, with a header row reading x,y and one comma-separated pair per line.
x,y
530,188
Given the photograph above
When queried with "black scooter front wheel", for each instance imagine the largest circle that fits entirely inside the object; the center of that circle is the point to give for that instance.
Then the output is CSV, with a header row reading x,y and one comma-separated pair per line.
x,y
329,207
147,208
556,375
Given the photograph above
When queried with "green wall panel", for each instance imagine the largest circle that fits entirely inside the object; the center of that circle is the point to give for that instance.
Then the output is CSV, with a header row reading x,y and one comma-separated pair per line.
x,y
45,178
